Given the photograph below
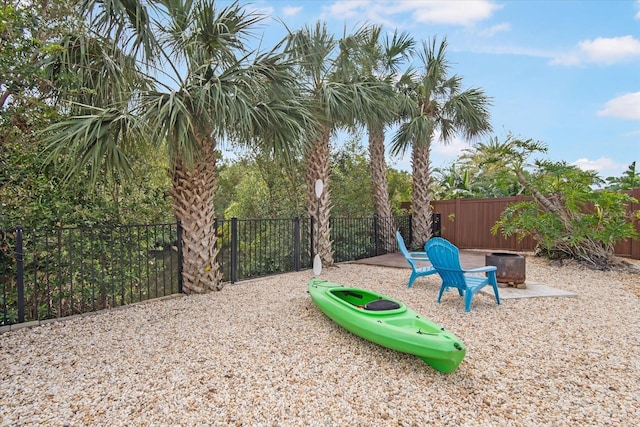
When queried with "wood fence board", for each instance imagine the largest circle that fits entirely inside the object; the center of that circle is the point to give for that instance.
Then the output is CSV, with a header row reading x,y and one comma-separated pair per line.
x,y
467,224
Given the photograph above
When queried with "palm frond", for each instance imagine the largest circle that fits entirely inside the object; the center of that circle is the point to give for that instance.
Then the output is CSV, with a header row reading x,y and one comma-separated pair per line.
x,y
398,49
440,99
419,130
92,71
93,142
311,49
127,22
171,118
469,111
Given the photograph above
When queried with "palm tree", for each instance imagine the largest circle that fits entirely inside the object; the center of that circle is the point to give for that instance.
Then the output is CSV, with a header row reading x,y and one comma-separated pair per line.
x,y
629,179
438,105
452,183
381,60
337,100
192,86
494,179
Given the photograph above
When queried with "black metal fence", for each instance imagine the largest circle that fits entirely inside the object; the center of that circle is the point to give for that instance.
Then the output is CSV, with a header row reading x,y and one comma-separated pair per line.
x,y
53,273
258,248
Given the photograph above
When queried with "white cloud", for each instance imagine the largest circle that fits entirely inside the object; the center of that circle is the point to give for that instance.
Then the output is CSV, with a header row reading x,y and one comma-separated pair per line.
x,y
492,31
611,50
602,50
567,59
511,50
638,7
422,11
291,10
348,8
452,12
623,107
451,150
603,166
261,10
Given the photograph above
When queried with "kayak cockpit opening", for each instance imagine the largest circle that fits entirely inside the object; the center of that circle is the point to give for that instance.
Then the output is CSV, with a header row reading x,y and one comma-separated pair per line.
x,y
365,300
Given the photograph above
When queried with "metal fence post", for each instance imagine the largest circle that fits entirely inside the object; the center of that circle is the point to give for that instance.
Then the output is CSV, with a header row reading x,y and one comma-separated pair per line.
x,y
436,224
180,259
410,229
311,240
234,250
376,233
296,244
20,273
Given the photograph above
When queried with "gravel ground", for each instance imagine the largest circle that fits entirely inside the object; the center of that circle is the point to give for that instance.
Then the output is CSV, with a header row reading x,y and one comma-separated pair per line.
x,y
259,353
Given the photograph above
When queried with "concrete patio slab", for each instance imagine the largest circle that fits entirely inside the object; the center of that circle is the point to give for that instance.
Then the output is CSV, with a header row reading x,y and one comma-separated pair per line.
x,y
468,259
533,290
471,259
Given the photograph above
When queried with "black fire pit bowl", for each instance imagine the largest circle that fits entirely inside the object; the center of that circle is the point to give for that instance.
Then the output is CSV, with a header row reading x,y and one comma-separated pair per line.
x,y
511,268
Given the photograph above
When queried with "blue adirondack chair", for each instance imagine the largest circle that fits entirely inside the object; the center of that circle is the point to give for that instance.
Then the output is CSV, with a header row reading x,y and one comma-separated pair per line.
x,y
445,258
413,258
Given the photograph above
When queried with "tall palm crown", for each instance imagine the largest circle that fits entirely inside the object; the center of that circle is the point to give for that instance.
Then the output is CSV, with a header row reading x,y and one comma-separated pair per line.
x,y
193,86
337,100
438,105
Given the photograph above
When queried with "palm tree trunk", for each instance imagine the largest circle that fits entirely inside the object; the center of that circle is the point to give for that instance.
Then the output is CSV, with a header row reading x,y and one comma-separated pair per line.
x,y
420,195
317,161
380,186
546,203
193,190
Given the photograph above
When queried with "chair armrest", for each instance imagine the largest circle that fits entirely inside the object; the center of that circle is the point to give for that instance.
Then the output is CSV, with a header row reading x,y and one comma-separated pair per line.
x,y
419,256
484,269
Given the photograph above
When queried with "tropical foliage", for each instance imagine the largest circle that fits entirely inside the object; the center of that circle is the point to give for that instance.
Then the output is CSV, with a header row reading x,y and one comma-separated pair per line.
x,y
381,59
32,195
120,92
31,192
26,28
567,217
339,98
630,179
258,186
436,107
477,174
210,88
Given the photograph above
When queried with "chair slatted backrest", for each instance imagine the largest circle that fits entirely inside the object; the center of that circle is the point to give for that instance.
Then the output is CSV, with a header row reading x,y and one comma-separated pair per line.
x,y
445,257
413,258
404,250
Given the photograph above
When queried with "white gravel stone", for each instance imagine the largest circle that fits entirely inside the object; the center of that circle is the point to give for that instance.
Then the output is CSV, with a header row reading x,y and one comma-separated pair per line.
x,y
259,353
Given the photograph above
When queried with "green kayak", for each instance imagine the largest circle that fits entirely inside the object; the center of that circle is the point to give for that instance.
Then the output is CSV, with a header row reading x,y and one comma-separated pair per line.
x,y
388,322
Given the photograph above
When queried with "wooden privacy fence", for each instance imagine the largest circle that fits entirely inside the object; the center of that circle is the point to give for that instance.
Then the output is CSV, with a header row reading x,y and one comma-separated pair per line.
x,y
467,223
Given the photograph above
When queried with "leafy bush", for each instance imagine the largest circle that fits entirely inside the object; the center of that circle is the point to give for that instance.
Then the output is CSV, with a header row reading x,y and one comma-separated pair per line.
x,y
567,217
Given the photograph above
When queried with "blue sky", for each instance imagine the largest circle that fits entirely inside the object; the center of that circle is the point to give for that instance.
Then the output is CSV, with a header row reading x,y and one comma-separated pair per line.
x,y
566,73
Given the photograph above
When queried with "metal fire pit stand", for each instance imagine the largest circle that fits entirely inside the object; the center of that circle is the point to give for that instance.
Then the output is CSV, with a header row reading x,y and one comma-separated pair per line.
x,y
511,268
